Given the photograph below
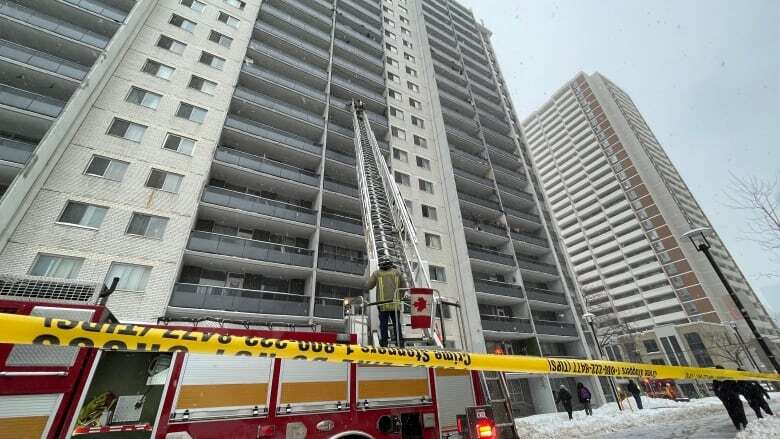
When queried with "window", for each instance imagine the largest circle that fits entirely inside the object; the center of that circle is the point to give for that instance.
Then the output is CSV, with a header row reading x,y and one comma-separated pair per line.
x,y
143,97
419,123
394,95
403,19
191,112
405,31
425,185
393,77
437,273
429,212
228,20
108,168
396,113
391,35
699,350
163,180
400,155
212,60
56,266
126,130
202,84
651,346
389,22
423,163
409,57
222,40
403,9
432,241
407,44
236,3
409,205
131,277
83,214
412,86
181,22
157,69
420,141
411,71
178,143
391,48
195,5
168,43
392,62
402,178
414,103
147,225
387,10
398,133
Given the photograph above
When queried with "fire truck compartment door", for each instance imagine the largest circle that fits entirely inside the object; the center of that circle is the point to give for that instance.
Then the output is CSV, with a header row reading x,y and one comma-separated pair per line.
x,y
454,392
392,384
216,382
305,385
27,416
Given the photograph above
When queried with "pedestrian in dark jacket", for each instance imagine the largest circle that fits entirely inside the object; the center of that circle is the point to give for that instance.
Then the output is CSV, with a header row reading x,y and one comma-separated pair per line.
x,y
634,390
728,393
564,397
755,394
583,393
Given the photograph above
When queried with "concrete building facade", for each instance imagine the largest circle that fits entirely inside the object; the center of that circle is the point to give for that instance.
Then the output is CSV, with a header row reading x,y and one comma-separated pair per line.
x,y
621,209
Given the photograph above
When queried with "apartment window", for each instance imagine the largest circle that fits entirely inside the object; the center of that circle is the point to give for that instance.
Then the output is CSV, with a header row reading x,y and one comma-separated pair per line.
x,y
437,273
396,113
432,241
423,163
414,103
56,266
387,10
178,143
126,130
416,121
391,48
400,155
699,350
143,97
425,185
394,95
393,77
402,178
163,180
651,346
407,44
389,22
409,57
195,5
403,19
108,168
391,35
149,226
429,212
420,141
236,3
411,71
228,20
392,62
405,31
412,86
168,43
398,133
212,60
131,277
409,205
83,214
191,112
181,22
222,40
157,69
202,84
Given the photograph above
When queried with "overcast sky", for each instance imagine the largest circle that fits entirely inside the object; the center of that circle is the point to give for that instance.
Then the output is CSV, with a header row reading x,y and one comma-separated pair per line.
x,y
705,75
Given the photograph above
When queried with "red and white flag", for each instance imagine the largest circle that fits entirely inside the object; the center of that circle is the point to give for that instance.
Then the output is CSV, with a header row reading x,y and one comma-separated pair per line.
x,y
422,307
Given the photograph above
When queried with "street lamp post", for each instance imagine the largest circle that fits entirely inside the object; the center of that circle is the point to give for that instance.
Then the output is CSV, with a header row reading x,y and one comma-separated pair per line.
x,y
591,318
704,246
742,345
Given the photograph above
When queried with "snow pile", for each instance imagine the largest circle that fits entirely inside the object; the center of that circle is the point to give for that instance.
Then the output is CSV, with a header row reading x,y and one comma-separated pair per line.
x,y
766,428
608,418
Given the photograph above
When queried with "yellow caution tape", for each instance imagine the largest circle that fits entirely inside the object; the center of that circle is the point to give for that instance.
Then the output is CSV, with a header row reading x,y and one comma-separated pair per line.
x,y
18,329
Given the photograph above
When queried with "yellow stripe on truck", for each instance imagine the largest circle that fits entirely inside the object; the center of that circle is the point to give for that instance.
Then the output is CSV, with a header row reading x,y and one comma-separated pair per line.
x,y
28,426
19,329
376,389
313,391
451,372
194,396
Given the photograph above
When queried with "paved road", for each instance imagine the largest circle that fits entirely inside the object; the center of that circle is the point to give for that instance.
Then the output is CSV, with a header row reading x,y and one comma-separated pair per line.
x,y
715,426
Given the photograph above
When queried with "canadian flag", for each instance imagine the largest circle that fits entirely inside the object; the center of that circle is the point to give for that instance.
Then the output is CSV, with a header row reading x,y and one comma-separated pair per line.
x,y
422,307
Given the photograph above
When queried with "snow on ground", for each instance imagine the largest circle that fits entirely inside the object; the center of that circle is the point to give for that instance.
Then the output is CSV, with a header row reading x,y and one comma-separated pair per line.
x,y
608,419
766,428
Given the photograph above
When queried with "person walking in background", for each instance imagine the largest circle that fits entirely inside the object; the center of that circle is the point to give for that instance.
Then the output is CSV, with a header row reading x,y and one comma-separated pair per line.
x,y
583,393
564,397
728,393
388,280
755,394
633,389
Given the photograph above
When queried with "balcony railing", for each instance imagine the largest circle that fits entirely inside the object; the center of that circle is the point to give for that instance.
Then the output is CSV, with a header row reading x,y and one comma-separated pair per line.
x,y
517,193
340,187
213,243
532,264
529,239
278,106
252,203
329,307
477,200
301,5
261,73
42,60
291,39
499,288
546,296
15,151
459,119
475,159
300,25
482,227
358,36
51,24
475,178
490,255
341,264
29,101
362,54
359,72
523,215
340,157
266,166
287,59
358,89
505,324
238,300
555,328
271,133
343,223
464,136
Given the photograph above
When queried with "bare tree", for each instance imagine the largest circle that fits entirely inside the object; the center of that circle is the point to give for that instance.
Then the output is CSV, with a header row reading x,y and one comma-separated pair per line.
x,y
723,347
761,200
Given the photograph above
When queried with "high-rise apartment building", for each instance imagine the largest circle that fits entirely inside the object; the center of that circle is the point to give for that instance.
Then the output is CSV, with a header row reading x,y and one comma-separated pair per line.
x,y
207,160
621,209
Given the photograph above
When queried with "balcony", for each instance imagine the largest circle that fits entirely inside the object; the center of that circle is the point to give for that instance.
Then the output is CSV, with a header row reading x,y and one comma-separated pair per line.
x,y
498,288
340,187
266,166
15,151
273,134
474,178
359,8
42,60
358,91
253,74
29,101
368,77
548,327
468,159
342,223
522,215
528,239
483,227
54,25
238,300
329,307
522,198
359,55
350,34
528,263
489,255
506,324
277,56
546,296
315,15
479,201
254,204
454,102
302,48
206,242
280,107
277,16
341,264
340,157
464,138
456,119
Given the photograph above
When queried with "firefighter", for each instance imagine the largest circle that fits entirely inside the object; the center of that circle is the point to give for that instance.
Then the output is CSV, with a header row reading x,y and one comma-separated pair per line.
x,y
388,280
